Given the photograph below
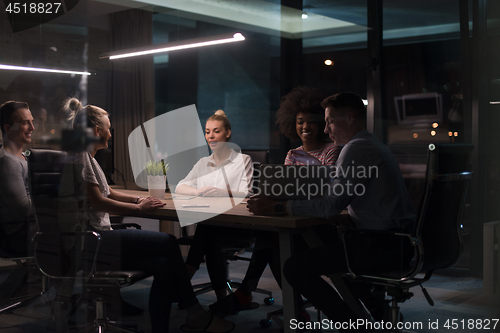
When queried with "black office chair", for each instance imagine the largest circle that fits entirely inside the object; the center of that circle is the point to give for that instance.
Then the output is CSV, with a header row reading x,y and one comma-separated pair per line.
x,y
11,287
436,242
62,252
233,251
258,157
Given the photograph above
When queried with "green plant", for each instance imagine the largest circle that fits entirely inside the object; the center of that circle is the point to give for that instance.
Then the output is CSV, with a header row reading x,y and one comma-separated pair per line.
x,y
156,168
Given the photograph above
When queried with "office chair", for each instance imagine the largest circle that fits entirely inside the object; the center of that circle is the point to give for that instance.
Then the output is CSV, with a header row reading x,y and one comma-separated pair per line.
x,y
436,242
16,280
232,251
61,251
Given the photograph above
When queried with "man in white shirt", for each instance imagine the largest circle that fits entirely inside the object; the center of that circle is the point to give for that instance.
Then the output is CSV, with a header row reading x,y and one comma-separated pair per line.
x,y
16,210
369,184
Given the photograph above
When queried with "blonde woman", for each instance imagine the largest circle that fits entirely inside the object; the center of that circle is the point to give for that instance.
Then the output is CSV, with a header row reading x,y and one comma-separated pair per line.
x,y
207,179
155,252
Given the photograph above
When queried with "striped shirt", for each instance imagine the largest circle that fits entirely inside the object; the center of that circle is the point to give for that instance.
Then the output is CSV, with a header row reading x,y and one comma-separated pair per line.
x,y
327,155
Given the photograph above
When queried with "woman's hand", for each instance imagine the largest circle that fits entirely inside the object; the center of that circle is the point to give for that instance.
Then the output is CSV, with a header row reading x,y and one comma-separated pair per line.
x,y
210,191
299,156
149,204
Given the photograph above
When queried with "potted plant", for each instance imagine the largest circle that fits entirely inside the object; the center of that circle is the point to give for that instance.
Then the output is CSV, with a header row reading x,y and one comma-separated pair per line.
x,y
157,178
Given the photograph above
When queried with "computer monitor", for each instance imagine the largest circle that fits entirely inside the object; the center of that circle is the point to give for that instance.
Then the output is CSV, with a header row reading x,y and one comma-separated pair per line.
x,y
419,108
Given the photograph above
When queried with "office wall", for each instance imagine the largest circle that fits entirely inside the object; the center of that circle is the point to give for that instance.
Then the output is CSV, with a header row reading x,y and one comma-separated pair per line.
x,y
55,46
239,78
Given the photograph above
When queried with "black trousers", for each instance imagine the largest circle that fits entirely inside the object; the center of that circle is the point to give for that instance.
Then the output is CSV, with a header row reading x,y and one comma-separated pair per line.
x,y
157,253
208,242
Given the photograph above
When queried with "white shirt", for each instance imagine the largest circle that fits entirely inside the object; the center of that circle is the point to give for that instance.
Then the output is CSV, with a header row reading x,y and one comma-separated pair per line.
x,y
93,174
379,199
237,167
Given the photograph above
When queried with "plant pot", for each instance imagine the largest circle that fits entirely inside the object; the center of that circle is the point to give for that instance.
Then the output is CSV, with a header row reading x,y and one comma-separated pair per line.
x,y
157,186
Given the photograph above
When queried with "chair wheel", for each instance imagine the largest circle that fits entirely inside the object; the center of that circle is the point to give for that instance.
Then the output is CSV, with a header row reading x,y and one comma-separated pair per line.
x,y
268,301
265,323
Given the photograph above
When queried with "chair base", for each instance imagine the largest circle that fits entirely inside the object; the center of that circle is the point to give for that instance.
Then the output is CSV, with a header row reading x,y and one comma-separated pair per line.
x,y
63,312
231,285
20,301
103,324
275,316
15,302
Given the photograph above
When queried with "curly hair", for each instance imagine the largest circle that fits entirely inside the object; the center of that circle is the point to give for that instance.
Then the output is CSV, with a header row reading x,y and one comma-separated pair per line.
x,y
300,99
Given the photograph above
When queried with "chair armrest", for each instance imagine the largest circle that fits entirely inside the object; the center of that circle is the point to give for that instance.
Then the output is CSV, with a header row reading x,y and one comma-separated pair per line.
x,y
359,243
61,255
388,233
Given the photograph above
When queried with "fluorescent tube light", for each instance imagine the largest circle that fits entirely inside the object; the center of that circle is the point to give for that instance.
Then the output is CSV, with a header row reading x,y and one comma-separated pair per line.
x,y
35,69
173,46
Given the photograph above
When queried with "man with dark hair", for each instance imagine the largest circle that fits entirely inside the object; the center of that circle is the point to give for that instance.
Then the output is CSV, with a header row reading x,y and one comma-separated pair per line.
x,y
16,210
344,103
369,184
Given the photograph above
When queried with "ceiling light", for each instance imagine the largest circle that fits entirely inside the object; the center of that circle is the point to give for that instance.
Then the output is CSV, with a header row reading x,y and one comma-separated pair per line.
x,y
35,69
304,16
365,102
174,46
328,62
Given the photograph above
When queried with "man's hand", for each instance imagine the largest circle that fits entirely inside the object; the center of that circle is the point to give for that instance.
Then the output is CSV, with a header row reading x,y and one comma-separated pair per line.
x,y
299,156
261,205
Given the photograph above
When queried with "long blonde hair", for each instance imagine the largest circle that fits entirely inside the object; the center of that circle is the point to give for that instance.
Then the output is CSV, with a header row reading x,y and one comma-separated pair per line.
x,y
74,108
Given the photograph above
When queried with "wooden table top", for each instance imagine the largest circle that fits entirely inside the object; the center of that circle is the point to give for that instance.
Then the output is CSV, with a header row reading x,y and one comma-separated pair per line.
x,y
237,214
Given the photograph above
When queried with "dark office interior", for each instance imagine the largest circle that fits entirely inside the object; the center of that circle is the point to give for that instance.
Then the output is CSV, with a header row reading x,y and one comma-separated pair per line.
x,y
427,70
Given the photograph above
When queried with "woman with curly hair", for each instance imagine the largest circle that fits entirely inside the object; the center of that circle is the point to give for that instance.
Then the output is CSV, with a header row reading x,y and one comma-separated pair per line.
x,y
300,117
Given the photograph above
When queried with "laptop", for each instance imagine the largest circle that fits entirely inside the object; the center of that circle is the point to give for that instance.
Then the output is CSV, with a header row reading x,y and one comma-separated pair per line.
x,y
294,182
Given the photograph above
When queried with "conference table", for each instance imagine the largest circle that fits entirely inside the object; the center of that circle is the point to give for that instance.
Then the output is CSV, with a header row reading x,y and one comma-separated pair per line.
x,y
239,217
